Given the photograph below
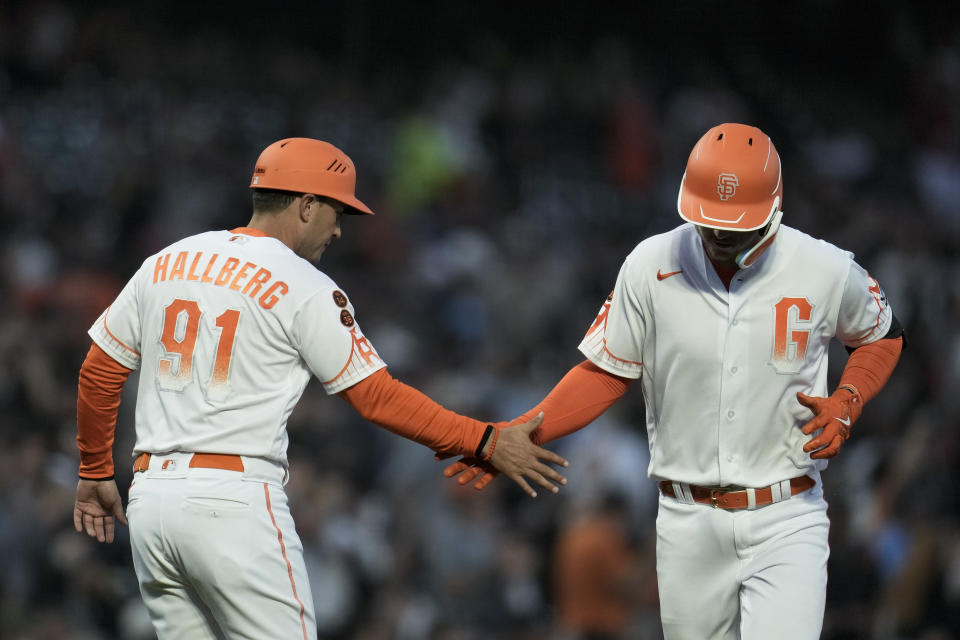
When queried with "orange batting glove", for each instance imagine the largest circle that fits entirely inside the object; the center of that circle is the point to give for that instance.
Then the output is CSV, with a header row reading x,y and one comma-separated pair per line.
x,y
834,416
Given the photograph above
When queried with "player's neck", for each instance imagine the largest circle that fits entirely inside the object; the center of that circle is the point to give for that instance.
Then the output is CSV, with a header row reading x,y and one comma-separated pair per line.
x,y
275,226
725,271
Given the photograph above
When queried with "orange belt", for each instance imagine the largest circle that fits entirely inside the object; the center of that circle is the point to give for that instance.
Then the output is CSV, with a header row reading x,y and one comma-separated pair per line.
x,y
225,461
736,498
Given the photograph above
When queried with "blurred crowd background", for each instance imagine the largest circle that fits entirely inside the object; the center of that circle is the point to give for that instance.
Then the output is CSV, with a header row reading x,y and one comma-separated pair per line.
x,y
514,155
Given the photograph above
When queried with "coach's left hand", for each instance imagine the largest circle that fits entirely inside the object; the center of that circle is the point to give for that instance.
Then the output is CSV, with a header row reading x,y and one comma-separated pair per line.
x,y
98,504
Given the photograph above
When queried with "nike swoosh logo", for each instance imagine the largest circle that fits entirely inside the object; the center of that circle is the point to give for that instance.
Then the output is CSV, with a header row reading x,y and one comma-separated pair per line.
x,y
842,421
664,276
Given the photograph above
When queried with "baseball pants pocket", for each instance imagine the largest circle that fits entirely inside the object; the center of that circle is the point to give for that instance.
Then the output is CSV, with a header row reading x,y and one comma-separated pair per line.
x,y
251,570
214,507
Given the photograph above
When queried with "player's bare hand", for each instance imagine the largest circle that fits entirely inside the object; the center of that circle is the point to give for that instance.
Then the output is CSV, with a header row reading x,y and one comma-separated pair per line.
x,y
831,421
517,457
98,505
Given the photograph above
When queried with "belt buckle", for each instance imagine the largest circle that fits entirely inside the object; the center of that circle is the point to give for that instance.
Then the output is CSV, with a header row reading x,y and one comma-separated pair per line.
x,y
715,498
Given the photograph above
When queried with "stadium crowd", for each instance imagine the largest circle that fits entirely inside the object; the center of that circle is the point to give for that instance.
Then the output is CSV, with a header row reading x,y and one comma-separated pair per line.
x,y
510,176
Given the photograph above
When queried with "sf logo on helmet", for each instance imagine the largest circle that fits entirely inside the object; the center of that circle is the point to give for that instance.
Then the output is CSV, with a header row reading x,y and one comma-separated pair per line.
x,y
727,184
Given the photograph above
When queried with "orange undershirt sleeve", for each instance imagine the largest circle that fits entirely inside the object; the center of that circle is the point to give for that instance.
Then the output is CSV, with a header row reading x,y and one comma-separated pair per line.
x,y
98,402
578,399
869,367
401,409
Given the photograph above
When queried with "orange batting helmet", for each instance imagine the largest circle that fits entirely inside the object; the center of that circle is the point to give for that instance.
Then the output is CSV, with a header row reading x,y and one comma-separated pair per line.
x,y
732,179
305,165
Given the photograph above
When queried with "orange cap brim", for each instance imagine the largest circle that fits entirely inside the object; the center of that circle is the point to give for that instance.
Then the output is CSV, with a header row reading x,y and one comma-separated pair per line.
x,y
354,206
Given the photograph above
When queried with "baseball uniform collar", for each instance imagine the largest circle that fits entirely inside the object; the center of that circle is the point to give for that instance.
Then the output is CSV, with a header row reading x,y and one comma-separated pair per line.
x,y
250,231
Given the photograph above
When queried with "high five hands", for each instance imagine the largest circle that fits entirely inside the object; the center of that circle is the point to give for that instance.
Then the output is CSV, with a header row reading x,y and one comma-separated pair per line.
x,y
516,456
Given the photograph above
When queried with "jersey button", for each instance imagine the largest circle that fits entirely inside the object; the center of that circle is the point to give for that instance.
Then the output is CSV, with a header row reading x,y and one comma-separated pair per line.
x,y
733,369
730,414
735,322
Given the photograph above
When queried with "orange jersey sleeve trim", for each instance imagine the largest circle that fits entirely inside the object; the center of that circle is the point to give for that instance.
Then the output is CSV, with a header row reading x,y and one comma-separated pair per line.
x,y
401,409
618,359
98,402
116,339
869,367
342,371
579,398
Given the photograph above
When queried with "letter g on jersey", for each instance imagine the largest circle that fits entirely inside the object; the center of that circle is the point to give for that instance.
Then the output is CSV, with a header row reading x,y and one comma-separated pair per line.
x,y
792,323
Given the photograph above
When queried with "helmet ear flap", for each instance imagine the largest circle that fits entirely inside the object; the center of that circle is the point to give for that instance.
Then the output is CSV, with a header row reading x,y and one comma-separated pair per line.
x,y
750,256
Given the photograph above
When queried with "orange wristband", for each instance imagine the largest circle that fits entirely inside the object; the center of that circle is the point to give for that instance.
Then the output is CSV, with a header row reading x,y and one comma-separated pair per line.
x,y
493,445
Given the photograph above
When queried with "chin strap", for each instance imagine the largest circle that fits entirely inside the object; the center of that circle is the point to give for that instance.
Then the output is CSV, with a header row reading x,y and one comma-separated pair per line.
x,y
750,256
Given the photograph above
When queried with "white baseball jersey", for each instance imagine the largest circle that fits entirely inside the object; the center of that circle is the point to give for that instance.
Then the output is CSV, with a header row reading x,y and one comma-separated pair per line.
x,y
720,369
227,328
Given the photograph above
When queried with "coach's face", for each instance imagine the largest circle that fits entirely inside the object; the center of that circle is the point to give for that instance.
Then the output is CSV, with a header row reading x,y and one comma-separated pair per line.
x,y
320,225
723,245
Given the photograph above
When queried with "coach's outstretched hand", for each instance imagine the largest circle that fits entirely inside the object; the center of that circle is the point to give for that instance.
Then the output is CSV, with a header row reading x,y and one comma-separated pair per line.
x,y
516,456
98,503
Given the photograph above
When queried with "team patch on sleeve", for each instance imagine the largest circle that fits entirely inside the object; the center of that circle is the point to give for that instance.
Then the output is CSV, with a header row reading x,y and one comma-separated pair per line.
x,y
865,314
339,299
881,308
363,361
594,346
877,292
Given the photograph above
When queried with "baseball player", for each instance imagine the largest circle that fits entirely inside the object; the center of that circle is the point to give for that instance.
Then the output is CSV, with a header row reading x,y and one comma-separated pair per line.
x,y
726,320
227,327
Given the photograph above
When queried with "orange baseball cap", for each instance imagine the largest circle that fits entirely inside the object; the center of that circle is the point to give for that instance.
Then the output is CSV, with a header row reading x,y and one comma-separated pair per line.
x,y
732,179
305,165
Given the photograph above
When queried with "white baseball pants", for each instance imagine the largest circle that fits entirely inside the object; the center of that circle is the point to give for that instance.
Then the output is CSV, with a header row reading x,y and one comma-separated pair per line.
x,y
216,552
749,575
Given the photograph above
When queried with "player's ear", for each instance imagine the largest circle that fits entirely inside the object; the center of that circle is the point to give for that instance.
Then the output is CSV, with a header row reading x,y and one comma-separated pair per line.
x,y
304,208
